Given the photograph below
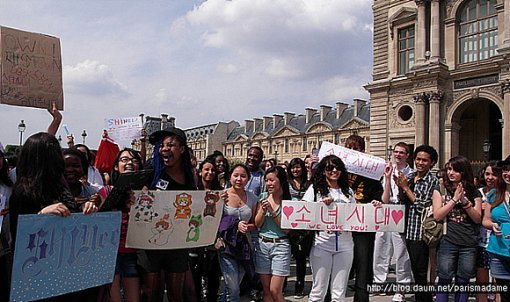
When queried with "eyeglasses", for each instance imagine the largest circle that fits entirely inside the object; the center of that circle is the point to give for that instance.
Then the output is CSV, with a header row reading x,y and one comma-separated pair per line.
x,y
126,159
330,168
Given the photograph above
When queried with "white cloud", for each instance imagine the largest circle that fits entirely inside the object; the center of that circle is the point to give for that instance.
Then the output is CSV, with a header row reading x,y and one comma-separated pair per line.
x,y
94,79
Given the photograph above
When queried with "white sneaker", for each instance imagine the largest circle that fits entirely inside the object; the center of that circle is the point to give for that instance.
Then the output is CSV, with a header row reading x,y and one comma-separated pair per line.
x,y
398,297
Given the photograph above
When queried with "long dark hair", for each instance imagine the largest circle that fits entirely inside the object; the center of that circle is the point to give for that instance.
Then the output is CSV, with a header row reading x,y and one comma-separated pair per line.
x,y
303,178
40,170
461,164
500,187
114,174
319,181
4,173
215,184
282,177
159,166
213,157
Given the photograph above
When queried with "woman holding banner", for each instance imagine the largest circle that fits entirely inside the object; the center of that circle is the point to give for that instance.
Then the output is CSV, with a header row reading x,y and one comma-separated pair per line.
x,y
332,251
273,260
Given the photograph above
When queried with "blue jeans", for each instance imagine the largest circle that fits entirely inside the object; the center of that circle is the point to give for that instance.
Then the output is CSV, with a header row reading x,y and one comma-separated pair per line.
x,y
233,273
455,261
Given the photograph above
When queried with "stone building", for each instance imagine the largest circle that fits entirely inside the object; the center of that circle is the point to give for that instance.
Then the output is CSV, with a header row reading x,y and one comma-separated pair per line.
x,y
285,136
441,76
204,140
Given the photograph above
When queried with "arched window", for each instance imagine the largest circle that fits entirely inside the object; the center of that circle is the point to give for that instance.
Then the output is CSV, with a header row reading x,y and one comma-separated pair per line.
x,y
478,30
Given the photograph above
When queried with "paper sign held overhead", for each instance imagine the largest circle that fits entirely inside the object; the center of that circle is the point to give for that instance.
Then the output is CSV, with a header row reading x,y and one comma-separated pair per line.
x,y
124,128
31,68
355,162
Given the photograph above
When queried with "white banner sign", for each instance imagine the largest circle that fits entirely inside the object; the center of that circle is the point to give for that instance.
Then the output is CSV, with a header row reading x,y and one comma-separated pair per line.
x,y
342,217
124,129
356,162
174,219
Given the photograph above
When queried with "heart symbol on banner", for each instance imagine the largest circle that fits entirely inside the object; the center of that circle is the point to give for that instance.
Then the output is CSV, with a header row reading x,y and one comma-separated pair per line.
x,y
287,210
397,215
376,227
294,224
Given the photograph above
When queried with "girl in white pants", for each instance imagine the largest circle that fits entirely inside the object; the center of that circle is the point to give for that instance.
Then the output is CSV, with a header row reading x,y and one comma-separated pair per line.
x,y
332,251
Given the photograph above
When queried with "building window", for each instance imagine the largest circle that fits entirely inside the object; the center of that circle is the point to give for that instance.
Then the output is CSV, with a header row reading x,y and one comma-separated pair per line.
x,y
478,31
337,138
305,142
286,145
405,49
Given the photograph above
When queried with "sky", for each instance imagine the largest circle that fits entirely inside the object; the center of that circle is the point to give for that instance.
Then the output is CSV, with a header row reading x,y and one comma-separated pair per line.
x,y
199,61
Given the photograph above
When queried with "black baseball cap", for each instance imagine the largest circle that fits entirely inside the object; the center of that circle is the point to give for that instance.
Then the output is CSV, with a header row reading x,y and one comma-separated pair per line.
x,y
173,131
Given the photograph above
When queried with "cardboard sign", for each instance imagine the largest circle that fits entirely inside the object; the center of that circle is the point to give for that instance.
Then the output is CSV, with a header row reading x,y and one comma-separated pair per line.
x,y
57,255
355,162
124,129
31,68
174,219
342,217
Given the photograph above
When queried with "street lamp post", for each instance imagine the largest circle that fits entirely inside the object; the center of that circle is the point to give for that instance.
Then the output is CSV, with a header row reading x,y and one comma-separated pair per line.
x,y
21,129
486,149
84,135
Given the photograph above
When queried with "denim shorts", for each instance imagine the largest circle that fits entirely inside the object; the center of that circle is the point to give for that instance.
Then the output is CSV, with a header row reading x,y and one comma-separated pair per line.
x,y
273,258
483,258
126,265
500,266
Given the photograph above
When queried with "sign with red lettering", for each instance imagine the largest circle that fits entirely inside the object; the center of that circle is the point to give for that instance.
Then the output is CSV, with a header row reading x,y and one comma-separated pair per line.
x,y
355,162
31,68
342,217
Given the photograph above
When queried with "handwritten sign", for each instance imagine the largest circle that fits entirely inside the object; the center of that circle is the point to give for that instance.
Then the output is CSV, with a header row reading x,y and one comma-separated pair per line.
x,y
355,162
31,68
123,129
174,219
342,217
58,255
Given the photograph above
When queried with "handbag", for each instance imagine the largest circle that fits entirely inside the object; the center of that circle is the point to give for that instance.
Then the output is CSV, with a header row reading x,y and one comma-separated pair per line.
x,y
432,229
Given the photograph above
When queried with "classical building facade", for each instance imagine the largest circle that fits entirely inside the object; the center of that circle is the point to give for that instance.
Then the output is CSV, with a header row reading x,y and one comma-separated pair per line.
x,y
204,140
441,76
285,136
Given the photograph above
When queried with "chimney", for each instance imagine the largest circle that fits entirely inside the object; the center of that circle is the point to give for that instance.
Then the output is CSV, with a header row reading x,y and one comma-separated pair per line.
x,y
248,128
340,107
309,112
171,122
324,112
258,124
357,106
164,121
287,117
267,120
276,119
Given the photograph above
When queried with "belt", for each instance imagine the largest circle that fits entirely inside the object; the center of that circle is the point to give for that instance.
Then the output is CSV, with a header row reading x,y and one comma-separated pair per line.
x,y
273,240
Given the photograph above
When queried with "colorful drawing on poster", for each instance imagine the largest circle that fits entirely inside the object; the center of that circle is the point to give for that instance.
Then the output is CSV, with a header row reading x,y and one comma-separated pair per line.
x,y
162,230
211,198
170,231
144,209
57,255
182,206
194,228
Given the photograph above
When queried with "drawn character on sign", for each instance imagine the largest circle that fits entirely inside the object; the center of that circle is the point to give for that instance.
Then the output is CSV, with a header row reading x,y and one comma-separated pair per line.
x,y
144,207
210,203
194,228
161,230
182,206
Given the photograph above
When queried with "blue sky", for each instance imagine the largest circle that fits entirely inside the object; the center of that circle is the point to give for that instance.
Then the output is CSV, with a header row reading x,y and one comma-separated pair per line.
x,y
198,61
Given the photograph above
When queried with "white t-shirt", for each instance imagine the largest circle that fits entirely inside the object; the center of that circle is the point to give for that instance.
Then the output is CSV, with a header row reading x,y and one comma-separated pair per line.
x,y
327,240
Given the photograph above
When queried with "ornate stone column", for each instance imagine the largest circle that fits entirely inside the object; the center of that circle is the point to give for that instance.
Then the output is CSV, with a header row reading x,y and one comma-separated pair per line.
x,y
505,89
435,46
435,119
420,33
420,100
451,140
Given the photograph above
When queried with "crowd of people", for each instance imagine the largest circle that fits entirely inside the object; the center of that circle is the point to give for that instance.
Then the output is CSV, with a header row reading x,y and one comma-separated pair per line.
x,y
253,252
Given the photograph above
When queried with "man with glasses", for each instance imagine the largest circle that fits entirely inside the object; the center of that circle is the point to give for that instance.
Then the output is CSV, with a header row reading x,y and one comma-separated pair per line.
x,y
388,243
365,190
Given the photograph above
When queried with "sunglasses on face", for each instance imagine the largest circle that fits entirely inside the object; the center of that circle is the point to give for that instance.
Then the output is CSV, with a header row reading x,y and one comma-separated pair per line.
x,y
330,168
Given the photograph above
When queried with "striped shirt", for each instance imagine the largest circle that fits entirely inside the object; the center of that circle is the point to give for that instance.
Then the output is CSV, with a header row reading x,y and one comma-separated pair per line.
x,y
423,190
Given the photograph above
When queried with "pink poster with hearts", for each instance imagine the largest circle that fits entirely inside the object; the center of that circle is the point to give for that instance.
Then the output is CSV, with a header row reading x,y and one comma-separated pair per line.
x,y
342,217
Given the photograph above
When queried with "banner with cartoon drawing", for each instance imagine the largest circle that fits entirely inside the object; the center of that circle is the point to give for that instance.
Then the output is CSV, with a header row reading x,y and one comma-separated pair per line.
x,y
342,217
174,219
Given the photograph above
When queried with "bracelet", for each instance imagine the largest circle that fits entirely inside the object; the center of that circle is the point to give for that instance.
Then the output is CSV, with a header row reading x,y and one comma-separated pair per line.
x,y
455,201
